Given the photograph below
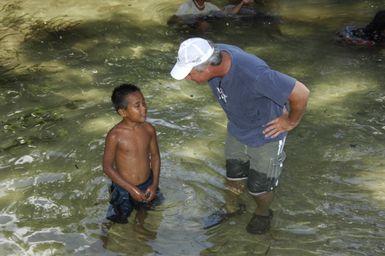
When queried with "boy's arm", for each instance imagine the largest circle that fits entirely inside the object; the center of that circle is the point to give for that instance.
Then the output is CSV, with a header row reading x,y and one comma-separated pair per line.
x,y
155,158
110,150
155,166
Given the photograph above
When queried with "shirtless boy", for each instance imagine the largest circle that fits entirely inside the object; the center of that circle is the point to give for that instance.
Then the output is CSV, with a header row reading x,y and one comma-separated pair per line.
x,y
131,156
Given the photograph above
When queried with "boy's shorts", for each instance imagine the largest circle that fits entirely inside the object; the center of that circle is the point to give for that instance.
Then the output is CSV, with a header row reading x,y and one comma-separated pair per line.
x,y
122,204
261,166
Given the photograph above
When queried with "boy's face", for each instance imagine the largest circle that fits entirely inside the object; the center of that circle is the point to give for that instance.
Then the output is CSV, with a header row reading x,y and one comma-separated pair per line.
x,y
136,110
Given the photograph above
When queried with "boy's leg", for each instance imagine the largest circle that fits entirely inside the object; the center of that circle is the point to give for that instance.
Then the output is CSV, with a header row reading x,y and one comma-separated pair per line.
x,y
120,206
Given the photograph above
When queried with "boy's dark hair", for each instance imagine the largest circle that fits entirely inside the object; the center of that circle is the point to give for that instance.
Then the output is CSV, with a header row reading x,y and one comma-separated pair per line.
x,y
119,94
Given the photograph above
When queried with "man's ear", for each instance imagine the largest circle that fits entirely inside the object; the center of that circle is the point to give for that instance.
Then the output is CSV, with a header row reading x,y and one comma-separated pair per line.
x,y
209,69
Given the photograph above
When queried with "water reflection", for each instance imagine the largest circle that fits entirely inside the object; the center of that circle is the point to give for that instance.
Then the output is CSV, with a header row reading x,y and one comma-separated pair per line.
x,y
58,64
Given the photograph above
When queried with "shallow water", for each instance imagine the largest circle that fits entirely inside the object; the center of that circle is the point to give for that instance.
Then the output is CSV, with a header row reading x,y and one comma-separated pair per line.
x,y
59,61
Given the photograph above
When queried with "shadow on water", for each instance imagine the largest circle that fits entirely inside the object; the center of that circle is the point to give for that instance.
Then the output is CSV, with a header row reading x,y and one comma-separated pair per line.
x,y
55,111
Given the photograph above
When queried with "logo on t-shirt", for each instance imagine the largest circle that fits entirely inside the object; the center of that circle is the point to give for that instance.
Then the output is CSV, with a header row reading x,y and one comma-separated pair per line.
x,y
221,93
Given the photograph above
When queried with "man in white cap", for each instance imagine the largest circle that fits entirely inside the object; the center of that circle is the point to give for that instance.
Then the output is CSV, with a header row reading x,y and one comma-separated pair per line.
x,y
261,105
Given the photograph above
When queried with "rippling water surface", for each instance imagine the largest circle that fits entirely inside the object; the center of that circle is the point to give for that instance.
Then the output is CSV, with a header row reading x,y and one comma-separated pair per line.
x,y
59,61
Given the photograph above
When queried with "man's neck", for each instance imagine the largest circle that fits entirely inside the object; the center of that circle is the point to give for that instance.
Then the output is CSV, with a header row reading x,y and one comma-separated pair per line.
x,y
224,68
200,5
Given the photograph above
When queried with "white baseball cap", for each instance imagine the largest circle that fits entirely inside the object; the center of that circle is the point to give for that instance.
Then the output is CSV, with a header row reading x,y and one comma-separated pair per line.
x,y
192,52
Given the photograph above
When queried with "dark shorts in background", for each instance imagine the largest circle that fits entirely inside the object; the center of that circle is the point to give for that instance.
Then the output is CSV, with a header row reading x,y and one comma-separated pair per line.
x,y
261,166
122,204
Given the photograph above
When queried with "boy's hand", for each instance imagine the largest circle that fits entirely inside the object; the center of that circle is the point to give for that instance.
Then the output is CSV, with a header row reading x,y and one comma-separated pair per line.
x,y
150,193
138,195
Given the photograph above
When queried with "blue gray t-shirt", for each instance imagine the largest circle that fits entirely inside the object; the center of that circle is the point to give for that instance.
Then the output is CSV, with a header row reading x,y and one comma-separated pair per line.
x,y
251,94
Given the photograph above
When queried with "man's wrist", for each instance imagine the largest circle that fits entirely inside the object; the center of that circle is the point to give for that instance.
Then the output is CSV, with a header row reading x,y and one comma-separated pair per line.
x,y
293,123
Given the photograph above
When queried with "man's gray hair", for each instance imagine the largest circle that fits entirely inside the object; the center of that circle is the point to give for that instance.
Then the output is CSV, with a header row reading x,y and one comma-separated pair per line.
x,y
215,59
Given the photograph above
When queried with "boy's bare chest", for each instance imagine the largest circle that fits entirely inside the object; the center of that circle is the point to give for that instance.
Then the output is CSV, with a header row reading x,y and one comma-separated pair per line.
x,y
134,142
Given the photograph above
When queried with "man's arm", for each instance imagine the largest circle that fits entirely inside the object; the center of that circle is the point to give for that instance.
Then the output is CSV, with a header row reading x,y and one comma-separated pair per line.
x,y
298,100
110,150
